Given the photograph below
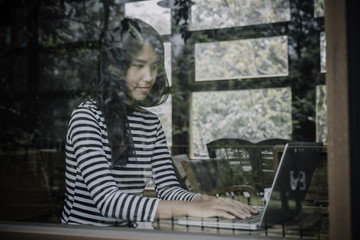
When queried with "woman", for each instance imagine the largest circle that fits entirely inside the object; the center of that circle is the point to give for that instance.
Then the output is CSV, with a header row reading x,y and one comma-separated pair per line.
x,y
114,146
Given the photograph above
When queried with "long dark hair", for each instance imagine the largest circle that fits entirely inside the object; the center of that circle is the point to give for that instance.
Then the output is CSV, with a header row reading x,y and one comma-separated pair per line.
x,y
118,47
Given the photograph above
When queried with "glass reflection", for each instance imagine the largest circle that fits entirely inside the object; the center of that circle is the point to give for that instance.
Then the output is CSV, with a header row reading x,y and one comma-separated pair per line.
x,y
319,8
323,52
261,57
249,114
151,13
48,58
212,14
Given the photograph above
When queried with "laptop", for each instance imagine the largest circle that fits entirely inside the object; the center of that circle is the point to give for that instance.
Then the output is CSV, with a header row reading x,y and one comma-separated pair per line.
x,y
289,188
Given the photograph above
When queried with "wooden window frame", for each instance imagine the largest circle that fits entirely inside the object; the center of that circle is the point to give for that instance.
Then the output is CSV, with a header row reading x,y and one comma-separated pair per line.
x,y
340,159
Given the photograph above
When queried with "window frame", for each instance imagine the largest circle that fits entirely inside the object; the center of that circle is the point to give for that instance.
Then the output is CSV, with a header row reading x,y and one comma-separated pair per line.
x,y
182,141
341,225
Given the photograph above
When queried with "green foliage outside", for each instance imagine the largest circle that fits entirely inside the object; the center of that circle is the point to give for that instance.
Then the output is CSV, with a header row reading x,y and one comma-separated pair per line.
x,y
210,14
49,63
252,115
241,58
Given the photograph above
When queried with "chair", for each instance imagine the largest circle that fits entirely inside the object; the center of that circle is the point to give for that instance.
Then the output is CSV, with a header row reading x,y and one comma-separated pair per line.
x,y
224,147
237,153
254,160
263,160
213,177
180,171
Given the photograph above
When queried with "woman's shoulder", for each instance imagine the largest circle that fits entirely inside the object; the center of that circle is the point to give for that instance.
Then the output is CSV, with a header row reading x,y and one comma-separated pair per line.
x,y
88,106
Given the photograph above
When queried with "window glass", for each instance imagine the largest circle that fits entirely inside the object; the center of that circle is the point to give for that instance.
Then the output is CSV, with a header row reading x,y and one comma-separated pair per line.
x,y
319,8
253,115
238,82
211,14
66,71
164,112
19,30
260,57
321,110
75,21
18,70
168,61
322,52
159,18
151,13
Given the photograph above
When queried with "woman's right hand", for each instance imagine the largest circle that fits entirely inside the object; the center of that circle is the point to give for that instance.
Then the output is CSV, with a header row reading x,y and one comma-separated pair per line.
x,y
205,206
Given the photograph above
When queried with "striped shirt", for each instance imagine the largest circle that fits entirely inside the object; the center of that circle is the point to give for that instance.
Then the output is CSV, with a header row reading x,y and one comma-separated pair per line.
x,y
100,195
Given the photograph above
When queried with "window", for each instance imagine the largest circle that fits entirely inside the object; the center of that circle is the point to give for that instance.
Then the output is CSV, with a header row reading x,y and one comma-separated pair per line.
x,y
321,109
246,114
250,58
152,13
249,69
212,14
323,52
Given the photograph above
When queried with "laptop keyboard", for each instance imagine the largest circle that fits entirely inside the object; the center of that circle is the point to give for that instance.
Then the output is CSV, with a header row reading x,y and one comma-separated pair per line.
x,y
254,219
223,222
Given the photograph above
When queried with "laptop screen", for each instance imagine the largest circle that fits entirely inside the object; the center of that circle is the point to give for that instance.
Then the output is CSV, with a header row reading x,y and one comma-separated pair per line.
x,y
292,181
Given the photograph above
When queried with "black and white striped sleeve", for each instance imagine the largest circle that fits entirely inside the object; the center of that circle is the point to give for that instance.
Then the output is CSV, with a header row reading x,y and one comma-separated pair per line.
x,y
166,183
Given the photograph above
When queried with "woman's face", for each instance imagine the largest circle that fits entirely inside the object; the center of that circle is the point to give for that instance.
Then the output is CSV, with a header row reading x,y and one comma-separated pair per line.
x,y
141,74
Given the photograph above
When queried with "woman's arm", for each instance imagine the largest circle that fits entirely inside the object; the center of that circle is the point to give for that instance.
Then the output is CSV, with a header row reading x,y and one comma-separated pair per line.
x,y
167,185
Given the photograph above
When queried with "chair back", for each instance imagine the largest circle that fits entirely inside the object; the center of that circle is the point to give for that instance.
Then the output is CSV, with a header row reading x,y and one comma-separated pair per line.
x,y
224,147
263,161
180,172
209,175
253,161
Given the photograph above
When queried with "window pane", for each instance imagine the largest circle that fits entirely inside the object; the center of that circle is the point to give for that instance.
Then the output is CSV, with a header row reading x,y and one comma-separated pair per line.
x,y
151,13
75,21
321,110
248,114
167,63
50,58
261,57
323,52
319,8
68,70
164,111
210,14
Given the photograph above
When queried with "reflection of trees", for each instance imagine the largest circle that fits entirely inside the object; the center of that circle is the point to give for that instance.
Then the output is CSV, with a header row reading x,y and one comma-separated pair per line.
x,y
253,115
210,14
158,17
319,8
49,56
52,63
304,67
321,120
241,58
303,34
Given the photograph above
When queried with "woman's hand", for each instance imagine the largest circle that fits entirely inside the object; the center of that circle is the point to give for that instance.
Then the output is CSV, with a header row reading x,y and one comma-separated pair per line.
x,y
205,206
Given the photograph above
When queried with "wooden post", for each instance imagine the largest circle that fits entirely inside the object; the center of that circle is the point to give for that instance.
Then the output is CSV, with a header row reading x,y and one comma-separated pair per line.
x,y
338,120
